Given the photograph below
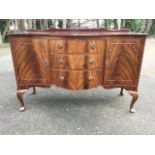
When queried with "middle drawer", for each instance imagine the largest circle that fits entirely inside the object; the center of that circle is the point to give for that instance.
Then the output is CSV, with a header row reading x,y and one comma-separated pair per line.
x,y
77,61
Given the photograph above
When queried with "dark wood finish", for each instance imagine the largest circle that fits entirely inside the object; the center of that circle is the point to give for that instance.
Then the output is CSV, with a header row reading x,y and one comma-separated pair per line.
x,y
34,90
76,33
77,59
121,92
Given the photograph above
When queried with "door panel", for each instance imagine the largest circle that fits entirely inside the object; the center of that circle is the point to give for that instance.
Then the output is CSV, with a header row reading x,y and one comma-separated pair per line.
x,y
123,59
29,57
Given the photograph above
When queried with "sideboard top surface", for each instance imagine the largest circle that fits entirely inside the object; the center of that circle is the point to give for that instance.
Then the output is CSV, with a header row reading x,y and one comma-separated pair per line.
x,y
76,32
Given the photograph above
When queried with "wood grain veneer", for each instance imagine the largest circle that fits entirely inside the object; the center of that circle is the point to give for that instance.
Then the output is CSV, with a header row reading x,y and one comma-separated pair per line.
x,y
77,59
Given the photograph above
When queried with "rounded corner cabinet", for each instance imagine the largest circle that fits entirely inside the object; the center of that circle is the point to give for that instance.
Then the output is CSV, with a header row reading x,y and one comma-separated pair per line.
x,y
77,59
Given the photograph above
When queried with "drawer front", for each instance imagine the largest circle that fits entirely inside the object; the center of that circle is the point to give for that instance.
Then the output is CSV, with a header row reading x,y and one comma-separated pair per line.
x,y
76,61
77,46
76,80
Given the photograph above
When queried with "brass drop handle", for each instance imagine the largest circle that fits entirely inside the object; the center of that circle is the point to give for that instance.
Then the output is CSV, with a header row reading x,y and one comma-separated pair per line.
x,y
91,62
61,61
59,45
91,78
20,46
61,78
92,45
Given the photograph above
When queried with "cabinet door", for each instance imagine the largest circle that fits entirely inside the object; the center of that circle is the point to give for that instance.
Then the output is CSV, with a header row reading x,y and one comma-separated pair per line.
x,y
30,58
123,61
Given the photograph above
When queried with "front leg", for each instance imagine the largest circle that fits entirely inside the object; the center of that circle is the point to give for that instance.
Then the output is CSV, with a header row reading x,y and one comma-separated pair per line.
x,y
134,95
20,94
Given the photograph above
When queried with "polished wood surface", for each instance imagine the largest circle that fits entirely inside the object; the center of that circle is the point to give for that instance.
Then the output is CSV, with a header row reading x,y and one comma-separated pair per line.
x,y
76,33
76,80
74,45
77,59
30,57
123,61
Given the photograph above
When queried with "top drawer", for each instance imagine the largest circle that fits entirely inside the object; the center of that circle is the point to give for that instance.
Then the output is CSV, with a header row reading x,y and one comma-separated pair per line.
x,y
76,46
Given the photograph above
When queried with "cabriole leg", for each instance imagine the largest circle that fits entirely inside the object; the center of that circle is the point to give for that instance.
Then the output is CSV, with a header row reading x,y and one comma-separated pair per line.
x,y
34,90
134,95
20,94
121,92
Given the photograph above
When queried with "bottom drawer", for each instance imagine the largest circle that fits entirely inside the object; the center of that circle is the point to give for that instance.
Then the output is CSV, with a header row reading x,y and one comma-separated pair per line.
x,y
76,80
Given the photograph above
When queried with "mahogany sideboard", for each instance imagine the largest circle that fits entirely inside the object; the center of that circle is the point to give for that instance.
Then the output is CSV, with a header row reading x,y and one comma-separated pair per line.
x,y
77,59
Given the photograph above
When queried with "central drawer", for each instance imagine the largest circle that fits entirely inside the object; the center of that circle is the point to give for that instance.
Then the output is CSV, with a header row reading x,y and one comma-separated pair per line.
x,y
76,80
77,45
77,61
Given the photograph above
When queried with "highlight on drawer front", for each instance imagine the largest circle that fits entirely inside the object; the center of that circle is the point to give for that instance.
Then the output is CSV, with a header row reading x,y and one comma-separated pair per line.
x,y
77,79
78,61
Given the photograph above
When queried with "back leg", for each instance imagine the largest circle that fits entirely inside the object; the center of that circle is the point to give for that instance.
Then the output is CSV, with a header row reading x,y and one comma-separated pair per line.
x,y
121,92
34,90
